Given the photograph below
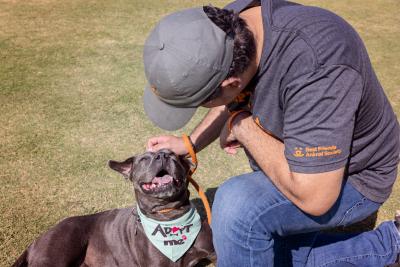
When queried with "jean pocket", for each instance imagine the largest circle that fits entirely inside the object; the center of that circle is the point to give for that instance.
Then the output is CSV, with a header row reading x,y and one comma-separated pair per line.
x,y
355,213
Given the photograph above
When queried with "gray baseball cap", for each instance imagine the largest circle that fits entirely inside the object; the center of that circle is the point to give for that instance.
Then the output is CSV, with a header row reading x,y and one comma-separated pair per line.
x,y
186,57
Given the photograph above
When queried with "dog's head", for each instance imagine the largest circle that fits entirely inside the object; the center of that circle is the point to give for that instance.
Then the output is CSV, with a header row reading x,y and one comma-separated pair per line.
x,y
157,175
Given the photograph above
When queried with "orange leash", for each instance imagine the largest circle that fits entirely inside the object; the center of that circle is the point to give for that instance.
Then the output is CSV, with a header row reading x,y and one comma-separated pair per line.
x,y
200,191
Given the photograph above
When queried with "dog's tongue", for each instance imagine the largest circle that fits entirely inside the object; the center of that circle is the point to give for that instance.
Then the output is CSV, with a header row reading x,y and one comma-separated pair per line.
x,y
166,179
158,181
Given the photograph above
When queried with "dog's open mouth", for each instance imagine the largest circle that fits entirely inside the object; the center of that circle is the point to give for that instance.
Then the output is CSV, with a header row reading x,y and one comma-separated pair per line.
x,y
161,182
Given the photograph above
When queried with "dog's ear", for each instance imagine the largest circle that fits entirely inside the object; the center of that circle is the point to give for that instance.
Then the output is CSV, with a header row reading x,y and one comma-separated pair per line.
x,y
125,167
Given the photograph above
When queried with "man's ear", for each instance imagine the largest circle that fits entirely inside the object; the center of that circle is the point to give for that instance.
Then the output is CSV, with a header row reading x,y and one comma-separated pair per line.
x,y
232,82
125,167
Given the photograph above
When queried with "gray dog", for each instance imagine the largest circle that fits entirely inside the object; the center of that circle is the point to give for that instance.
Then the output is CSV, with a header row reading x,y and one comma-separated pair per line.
x,y
120,237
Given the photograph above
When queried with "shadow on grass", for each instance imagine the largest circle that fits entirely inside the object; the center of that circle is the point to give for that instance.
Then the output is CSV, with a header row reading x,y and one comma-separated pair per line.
x,y
210,194
204,263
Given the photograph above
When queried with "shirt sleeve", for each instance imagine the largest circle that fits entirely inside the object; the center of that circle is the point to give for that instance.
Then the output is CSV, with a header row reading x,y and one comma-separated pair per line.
x,y
319,117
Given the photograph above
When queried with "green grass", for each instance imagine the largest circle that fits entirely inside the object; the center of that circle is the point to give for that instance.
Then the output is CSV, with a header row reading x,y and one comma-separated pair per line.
x,y
71,80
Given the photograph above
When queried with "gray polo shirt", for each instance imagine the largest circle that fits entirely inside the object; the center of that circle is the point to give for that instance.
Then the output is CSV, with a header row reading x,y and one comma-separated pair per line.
x,y
317,92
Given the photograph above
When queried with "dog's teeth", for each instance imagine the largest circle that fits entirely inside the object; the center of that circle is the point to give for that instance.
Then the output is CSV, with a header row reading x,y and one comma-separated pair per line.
x,y
146,186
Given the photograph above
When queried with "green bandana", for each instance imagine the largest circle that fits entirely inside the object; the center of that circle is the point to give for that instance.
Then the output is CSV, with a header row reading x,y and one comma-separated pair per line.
x,y
172,238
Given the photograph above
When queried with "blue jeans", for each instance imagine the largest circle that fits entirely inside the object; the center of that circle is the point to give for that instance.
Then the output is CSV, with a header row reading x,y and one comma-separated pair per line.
x,y
254,224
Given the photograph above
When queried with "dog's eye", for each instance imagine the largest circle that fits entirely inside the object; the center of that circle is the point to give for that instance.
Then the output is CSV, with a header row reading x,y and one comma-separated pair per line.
x,y
143,159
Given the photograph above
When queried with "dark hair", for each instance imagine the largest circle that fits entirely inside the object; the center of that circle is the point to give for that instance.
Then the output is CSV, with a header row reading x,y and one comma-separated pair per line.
x,y
244,48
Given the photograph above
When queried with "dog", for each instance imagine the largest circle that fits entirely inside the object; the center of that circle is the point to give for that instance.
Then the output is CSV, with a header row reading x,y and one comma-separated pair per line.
x,y
118,237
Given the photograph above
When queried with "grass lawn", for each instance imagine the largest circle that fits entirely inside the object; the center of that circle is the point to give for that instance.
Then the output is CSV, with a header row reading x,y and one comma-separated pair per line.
x,y
71,81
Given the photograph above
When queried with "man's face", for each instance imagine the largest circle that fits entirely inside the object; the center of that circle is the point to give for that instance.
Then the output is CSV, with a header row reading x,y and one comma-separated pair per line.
x,y
224,94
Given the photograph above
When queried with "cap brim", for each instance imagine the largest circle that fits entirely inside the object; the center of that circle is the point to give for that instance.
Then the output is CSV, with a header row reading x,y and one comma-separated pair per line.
x,y
165,116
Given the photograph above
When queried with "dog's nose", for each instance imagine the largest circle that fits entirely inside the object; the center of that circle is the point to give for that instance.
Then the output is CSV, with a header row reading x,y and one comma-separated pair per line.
x,y
161,155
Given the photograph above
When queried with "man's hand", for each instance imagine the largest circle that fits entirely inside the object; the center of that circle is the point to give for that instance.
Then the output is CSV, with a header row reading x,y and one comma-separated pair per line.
x,y
204,134
227,139
171,142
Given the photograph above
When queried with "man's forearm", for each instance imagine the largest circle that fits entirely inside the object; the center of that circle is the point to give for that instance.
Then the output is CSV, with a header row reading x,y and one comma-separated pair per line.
x,y
313,193
268,152
210,127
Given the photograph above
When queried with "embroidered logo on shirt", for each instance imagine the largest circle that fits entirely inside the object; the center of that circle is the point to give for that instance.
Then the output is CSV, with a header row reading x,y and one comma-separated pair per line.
x,y
298,152
317,151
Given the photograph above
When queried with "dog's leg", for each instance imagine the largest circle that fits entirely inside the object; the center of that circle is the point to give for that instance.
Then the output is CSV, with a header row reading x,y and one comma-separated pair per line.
x,y
63,245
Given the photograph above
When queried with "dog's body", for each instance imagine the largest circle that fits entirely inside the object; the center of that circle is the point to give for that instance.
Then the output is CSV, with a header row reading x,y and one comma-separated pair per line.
x,y
116,237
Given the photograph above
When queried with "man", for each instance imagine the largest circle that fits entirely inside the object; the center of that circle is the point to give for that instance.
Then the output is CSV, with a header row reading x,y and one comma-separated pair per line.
x,y
294,87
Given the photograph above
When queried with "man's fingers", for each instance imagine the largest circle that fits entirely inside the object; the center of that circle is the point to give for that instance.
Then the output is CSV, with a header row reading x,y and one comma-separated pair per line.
x,y
155,143
234,144
160,146
173,143
155,148
151,143
230,150
231,147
